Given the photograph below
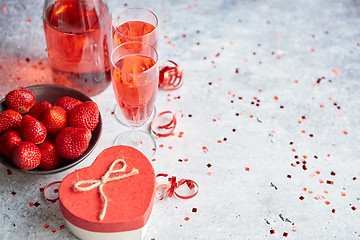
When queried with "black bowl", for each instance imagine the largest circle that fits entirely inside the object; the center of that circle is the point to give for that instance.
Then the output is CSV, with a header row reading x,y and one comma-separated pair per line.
x,y
49,92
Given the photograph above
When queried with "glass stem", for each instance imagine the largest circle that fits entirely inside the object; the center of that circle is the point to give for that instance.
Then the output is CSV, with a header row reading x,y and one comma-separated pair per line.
x,y
135,137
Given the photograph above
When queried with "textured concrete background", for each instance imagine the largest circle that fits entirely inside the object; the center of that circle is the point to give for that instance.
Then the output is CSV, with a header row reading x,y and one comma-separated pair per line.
x,y
258,75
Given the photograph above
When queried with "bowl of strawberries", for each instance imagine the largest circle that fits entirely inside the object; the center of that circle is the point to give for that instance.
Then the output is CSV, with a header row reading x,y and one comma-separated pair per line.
x,y
46,129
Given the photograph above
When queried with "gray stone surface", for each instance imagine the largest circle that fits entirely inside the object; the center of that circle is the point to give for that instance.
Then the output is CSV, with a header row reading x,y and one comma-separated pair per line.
x,y
270,53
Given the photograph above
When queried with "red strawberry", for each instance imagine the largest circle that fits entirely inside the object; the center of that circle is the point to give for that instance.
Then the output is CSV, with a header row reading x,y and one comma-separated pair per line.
x,y
50,159
72,142
54,119
67,103
84,115
8,141
39,108
9,120
32,130
20,100
26,156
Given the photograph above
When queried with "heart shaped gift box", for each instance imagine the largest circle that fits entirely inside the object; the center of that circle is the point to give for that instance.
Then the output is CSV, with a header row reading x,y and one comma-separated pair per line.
x,y
111,199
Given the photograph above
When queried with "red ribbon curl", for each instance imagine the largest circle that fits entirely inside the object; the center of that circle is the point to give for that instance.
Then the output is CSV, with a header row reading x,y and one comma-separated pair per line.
x,y
166,129
170,78
52,200
170,189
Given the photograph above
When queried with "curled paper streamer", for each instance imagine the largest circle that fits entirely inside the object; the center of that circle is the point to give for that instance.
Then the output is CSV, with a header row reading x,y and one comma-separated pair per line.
x,y
163,125
170,77
46,195
169,189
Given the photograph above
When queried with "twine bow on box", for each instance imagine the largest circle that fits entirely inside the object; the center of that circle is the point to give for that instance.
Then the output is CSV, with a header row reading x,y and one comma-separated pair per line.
x,y
90,184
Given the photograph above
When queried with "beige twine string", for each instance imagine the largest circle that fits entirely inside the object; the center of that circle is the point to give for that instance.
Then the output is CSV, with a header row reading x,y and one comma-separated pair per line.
x,y
104,179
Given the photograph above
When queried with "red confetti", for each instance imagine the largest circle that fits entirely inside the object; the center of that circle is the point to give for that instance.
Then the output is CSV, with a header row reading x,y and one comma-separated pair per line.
x,y
205,149
194,210
327,202
353,208
13,193
343,194
9,172
4,9
285,234
170,78
186,219
31,204
333,211
301,198
247,169
62,227
53,230
345,132
336,71
46,226
272,231
29,20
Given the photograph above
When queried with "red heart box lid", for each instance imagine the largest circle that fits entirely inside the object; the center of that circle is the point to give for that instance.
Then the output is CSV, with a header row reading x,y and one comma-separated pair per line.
x,y
129,200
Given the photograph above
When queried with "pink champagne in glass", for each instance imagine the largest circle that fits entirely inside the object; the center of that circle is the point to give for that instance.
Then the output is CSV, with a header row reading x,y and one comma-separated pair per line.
x,y
135,78
134,93
135,24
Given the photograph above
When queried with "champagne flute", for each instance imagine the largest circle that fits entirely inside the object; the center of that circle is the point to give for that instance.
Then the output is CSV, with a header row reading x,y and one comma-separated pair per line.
x,y
135,77
139,25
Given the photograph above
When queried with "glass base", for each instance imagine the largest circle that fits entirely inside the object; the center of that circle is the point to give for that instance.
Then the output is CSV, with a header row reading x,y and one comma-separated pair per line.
x,y
147,144
121,119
